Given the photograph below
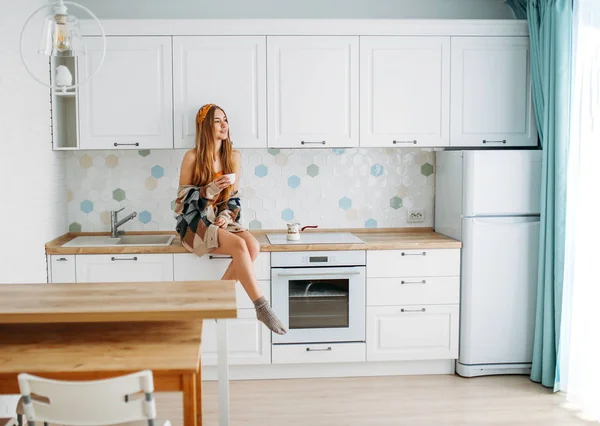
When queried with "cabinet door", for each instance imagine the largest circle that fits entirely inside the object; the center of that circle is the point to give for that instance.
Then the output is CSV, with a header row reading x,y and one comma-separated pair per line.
x,y
61,268
491,92
229,72
124,267
312,91
399,333
248,340
404,91
128,104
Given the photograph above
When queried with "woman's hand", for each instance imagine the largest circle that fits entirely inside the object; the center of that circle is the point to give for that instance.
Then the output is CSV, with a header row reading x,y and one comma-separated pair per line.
x,y
220,222
222,182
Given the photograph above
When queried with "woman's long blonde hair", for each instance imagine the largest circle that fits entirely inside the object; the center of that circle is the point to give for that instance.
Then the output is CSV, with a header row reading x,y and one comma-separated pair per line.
x,y
205,150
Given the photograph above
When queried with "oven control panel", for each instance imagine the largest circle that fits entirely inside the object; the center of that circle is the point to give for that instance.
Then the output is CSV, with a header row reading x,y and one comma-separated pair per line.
x,y
318,258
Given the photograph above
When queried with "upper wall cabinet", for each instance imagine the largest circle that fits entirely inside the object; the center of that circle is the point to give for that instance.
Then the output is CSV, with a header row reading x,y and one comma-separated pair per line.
x,y
491,92
128,104
312,91
227,71
404,91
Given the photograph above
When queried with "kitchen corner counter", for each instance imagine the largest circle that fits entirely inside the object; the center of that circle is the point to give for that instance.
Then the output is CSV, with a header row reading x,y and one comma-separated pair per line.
x,y
375,239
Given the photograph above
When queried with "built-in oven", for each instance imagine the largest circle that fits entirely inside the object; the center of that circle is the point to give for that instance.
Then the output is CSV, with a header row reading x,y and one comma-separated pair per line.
x,y
319,295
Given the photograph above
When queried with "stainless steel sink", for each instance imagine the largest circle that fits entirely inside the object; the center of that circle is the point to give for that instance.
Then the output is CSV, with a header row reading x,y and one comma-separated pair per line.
x,y
125,240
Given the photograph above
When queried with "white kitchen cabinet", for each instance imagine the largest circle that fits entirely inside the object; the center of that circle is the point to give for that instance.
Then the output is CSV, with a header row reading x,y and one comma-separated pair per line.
x,y
61,268
401,333
413,299
413,263
490,91
124,267
227,71
319,353
413,291
128,104
312,91
404,91
248,340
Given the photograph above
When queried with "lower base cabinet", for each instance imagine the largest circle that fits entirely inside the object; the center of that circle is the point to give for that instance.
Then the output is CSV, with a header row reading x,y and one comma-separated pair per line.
x,y
249,340
413,317
318,353
413,332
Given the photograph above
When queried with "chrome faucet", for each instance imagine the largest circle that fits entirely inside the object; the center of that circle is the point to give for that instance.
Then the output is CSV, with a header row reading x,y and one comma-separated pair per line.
x,y
114,223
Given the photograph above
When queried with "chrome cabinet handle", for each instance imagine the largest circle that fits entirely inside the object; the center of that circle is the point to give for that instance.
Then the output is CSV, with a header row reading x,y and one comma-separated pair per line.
x,y
211,257
414,254
315,142
61,259
114,259
413,282
318,350
132,144
502,141
412,310
395,142
300,274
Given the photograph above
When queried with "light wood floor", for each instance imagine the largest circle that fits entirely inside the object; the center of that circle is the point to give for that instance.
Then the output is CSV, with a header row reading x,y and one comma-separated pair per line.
x,y
383,401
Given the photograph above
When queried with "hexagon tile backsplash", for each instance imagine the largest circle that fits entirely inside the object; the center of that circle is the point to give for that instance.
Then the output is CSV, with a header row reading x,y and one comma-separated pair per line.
x,y
332,188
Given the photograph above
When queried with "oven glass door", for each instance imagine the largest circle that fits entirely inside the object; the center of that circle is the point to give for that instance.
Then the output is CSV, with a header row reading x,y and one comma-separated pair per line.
x,y
320,304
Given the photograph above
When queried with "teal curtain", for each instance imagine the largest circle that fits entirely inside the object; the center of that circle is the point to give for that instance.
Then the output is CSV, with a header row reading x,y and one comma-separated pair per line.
x,y
550,32
519,7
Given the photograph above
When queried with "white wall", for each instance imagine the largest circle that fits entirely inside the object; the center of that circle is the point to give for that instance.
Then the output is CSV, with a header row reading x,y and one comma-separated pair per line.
x,y
32,184
233,9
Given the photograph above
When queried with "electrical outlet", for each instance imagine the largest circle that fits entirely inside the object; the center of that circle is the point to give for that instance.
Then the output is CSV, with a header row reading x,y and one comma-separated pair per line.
x,y
415,215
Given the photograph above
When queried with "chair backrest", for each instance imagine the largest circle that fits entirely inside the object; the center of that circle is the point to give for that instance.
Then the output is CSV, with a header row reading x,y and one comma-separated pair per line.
x,y
90,403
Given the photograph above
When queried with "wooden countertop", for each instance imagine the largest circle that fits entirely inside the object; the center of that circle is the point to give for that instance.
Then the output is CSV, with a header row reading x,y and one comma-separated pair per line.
x,y
97,347
117,302
375,239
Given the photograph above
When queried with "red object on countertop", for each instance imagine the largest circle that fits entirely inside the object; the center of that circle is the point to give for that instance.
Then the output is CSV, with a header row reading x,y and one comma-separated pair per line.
x,y
308,226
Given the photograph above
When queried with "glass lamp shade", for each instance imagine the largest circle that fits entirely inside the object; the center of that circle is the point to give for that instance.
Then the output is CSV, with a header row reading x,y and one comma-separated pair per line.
x,y
61,36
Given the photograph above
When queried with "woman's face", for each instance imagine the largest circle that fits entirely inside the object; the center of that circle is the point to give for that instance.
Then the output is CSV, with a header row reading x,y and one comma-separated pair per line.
x,y
220,125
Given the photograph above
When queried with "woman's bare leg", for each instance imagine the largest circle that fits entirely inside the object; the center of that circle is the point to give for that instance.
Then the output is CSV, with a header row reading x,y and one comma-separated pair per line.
x,y
253,249
241,263
242,269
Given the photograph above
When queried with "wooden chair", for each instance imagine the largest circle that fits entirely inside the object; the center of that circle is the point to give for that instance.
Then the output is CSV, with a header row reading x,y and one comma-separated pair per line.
x,y
89,403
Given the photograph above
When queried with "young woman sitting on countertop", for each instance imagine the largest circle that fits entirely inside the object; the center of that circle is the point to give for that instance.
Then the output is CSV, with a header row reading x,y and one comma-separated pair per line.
x,y
208,208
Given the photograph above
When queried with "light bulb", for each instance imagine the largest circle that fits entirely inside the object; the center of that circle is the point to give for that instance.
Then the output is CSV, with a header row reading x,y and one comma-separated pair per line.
x,y
62,43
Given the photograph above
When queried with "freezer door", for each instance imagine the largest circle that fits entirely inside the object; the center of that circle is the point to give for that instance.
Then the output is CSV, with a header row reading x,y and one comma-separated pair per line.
x,y
498,288
501,183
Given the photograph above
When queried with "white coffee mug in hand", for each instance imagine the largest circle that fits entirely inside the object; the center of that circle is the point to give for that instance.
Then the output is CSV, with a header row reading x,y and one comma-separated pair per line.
x,y
231,177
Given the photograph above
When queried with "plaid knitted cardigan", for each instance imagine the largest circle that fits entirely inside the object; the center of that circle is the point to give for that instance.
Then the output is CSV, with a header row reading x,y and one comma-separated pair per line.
x,y
196,210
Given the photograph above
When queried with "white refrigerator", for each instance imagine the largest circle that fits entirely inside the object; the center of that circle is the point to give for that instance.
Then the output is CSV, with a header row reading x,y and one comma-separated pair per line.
x,y
490,200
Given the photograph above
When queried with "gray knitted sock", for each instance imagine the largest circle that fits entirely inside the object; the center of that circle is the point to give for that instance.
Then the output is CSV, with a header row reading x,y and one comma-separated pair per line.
x,y
265,314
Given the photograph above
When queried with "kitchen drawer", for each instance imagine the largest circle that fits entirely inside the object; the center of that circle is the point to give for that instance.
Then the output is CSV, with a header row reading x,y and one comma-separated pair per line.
x,y
413,290
248,340
62,268
413,263
419,332
212,267
318,353
105,268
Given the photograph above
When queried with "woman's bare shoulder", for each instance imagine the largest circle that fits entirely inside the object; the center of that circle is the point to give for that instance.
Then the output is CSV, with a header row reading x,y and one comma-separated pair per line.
x,y
190,155
236,155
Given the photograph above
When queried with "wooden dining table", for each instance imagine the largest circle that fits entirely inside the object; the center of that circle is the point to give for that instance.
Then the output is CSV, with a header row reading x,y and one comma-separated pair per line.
x,y
89,331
